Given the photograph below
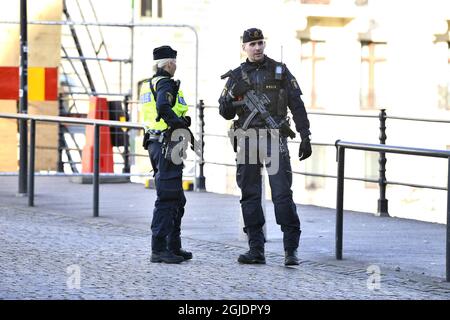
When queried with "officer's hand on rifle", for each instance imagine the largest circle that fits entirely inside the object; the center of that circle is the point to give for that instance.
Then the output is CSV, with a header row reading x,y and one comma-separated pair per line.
x,y
240,88
187,121
305,150
182,123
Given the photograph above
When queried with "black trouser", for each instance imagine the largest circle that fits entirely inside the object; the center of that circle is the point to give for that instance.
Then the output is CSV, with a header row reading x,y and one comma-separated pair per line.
x,y
248,178
170,201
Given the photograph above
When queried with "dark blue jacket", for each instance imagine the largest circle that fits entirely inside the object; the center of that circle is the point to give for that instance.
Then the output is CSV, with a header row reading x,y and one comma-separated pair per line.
x,y
166,95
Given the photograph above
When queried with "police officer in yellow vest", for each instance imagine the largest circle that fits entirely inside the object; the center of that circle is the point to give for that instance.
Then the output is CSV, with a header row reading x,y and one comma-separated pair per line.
x,y
164,109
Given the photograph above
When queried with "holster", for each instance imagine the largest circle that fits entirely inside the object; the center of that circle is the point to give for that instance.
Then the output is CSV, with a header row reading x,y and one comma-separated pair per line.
x,y
146,140
151,136
168,145
232,136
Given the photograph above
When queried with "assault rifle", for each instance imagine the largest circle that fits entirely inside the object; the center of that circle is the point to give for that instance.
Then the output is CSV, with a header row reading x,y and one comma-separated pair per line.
x,y
256,103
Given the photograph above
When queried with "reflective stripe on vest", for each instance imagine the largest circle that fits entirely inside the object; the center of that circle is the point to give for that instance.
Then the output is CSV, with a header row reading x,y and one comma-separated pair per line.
x,y
149,110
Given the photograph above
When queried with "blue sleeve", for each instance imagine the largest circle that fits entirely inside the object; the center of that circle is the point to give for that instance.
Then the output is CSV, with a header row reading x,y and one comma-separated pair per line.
x,y
166,96
296,104
226,108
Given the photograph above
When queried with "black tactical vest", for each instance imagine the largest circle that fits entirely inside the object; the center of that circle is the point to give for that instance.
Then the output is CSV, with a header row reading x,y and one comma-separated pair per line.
x,y
268,78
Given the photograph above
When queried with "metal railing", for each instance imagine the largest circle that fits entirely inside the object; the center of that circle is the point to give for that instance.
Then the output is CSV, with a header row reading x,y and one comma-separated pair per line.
x,y
382,181
342,145
96,166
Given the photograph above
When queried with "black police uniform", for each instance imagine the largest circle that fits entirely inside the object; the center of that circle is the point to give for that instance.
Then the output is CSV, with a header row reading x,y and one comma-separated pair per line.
x,y
170,201
282,92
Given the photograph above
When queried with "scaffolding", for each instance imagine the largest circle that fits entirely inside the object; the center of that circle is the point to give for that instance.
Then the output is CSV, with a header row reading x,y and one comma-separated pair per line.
x,y
130,60
78,91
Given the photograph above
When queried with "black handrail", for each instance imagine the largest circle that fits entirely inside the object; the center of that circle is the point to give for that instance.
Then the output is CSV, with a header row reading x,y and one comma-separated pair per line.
x,y
382,180
200,180
342,145
96,123
71,120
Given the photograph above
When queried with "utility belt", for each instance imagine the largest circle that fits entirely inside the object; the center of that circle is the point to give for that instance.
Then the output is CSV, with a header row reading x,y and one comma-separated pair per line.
x,y
152,135
232,136
156,135
172,148
235,125
167,145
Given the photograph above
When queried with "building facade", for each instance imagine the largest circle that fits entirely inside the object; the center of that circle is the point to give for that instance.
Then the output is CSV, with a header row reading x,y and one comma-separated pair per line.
x,y
349,56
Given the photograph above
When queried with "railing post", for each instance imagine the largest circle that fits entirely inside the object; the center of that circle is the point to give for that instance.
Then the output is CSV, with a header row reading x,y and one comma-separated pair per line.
x,y
95,181
340,200
126,145
32,157
447,247
23,156
23,98
200,180
382,201
60,135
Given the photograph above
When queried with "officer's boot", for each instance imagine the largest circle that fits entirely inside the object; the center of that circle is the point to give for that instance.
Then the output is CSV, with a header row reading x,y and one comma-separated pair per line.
x,y
166,257
253,256
174,244
290,258
183,253
256,244
161,254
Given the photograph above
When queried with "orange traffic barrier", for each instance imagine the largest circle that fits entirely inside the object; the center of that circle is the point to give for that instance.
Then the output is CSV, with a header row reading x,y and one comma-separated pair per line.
x,y
98,109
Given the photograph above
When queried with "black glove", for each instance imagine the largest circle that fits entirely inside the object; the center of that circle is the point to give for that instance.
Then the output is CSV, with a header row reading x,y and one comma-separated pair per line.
x,y
187,121
240,88
305,150
182,123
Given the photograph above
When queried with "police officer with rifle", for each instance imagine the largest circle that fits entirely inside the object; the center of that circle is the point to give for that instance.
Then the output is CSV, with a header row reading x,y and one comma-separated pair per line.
x,y
259,92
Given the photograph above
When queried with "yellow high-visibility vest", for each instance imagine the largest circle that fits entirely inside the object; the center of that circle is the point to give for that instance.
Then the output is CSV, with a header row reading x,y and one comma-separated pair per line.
x,y
149,111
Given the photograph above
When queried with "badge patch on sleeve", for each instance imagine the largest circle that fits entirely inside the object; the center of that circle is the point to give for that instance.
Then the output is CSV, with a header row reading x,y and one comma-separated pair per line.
x,y
181,100
295,84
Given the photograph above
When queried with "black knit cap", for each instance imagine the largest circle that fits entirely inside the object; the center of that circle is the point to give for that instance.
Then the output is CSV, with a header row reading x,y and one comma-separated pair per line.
x,y
252,34
164,52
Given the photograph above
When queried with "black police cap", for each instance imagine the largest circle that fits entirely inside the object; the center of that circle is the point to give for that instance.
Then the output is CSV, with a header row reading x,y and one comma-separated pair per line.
x,y
252,34
164,52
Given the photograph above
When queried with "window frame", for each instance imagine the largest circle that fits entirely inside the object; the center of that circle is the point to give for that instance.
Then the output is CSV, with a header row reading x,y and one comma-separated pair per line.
x,y
372,59
314,59
155,9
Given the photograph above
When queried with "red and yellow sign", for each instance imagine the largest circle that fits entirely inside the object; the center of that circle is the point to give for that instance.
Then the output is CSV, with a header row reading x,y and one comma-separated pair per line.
x,y
42,83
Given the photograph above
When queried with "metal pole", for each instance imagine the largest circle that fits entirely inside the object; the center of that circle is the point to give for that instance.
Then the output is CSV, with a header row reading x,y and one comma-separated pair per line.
x,y
200,180
95,59
382,201
132,51
340,202
23,96
196,101
31,169
130,135
95,181
60,136
447,248
126,146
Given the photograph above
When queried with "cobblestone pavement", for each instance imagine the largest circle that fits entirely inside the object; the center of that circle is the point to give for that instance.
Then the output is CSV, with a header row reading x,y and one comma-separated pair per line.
x,y
52,256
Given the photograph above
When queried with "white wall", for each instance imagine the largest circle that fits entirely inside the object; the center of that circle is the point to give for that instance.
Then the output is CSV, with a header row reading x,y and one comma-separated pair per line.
x,y
414,72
